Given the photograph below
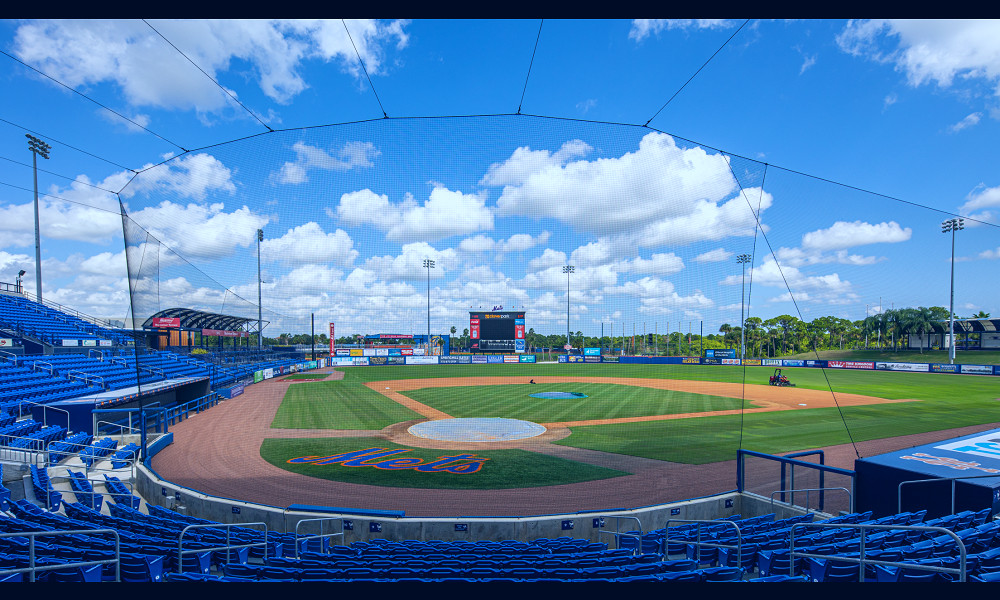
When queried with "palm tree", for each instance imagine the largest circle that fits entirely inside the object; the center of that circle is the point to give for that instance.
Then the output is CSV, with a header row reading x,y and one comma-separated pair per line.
x,y
725,329
753,326
919,320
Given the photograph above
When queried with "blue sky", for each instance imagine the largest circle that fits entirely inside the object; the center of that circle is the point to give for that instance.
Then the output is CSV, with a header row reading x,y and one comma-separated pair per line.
x,y
851,140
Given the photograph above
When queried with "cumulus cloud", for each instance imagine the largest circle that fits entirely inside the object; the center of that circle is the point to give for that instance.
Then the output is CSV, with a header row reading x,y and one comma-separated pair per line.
x,y
828,288
658,194
349,156
859,233
717,255
308,243
444,214
189,176
658,264
979,199
151,73
930,50
518,242
199,231
409,263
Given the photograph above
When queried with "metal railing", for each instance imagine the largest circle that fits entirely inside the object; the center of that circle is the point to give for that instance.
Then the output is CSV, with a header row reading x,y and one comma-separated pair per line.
x,y
699,544
899,488
862,561
45,411
9,356
32,568
822,491
322,521
87,378
180,541
619,534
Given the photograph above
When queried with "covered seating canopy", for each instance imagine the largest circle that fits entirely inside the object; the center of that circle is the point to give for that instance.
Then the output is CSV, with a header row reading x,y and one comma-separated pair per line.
x,y
199,319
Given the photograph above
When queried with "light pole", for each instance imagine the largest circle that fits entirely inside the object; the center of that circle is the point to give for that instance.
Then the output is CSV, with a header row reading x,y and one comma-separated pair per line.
x,y
743,259
567,270
260,315
952,225
20,274
38,148
428,264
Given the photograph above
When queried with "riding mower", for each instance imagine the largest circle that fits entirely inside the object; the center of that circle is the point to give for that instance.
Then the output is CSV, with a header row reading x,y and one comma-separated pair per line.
x,y
779,380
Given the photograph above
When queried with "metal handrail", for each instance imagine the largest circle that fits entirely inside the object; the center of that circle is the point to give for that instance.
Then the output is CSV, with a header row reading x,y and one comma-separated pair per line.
x,y
45,409
807,490
739,538
32,568
180,541
4,354
899,488
618,532
321,521
36,366
862,561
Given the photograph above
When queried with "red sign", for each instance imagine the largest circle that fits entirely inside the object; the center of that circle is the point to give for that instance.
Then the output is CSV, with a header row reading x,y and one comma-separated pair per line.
x,y
474,329
223,333
167,322
332,342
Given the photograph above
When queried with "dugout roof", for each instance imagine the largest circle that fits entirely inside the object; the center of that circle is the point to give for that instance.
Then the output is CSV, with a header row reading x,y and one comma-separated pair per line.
x,y
972,325
199,319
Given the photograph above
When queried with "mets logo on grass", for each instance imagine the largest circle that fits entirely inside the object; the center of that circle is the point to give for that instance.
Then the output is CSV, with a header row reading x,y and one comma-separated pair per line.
x,y
459,464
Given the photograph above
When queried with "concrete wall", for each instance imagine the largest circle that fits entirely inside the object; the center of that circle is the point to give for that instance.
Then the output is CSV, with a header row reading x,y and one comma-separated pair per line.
x,y
364,527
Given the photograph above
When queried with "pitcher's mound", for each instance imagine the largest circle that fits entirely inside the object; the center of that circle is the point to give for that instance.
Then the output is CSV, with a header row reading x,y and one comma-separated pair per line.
x,y
476,430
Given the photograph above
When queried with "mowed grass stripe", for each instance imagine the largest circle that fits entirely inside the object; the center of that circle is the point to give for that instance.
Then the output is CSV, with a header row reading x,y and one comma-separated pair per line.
x,y
337,405
505,469
604,401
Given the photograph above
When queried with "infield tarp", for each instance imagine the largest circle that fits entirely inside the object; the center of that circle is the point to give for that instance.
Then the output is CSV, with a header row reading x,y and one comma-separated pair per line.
x,y
879,477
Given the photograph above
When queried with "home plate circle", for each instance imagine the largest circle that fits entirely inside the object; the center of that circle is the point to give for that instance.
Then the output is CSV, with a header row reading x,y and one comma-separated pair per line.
x,y
493,429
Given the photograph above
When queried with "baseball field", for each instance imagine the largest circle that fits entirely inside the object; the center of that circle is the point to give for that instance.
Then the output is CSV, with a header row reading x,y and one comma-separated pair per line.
x,y
631,415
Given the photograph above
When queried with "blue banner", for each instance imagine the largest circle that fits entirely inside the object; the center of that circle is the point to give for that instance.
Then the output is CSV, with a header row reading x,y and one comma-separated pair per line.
x,y
478,359
494,358
574,358
720,353
938,368
591,351
562,358
793,363
527,358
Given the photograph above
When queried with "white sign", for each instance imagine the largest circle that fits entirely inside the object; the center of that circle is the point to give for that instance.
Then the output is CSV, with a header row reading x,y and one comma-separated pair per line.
x,y
419,351
268,373
104,343
894,366
977,369
6,342
730,361
71,342
89,342
421,360
986,445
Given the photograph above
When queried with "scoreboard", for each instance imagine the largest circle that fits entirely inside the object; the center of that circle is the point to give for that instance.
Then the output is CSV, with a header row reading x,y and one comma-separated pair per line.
x,y
497,331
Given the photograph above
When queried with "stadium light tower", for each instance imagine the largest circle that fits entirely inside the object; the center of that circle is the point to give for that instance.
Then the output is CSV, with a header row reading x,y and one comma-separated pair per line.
x,y
743,259
428,264
567,270
38,148
952,225
20,274
260,316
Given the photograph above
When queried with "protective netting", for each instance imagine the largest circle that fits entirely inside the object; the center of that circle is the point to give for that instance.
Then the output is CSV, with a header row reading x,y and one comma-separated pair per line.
x,y
652,223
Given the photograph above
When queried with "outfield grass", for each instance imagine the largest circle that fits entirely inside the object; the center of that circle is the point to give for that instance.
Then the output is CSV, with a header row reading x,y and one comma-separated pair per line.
x,y
969,357
604,401
504,469
337,405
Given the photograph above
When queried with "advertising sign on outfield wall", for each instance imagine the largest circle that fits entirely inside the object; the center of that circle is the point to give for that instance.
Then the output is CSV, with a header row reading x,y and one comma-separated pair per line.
x,y
849,364
730,361
356,352
591,351
421,360
360,362
771,362
381,352
377,360
690,361
607,359
894,366
395,360
343,352
479,359
977,369
526,358
752,362
711,361
792,363
592,359
268,373
258,376
574,358
720,353
510,358
463,359
494,358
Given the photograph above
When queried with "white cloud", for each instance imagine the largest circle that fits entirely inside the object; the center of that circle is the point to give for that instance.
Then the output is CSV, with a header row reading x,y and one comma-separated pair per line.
x,y
351,155
806,63
717,255
930,50
446,213
308,243
828,288
549,258
847,235
198,231
151,73
642,28
990,254
189,176
979,198
657,264
519,242
408,265
524,162
968,121
659,194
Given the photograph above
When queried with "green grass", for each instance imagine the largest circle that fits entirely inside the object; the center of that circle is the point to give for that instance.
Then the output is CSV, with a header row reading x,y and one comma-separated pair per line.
x,y
945,401
337,405
504,469
308,376
604,401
